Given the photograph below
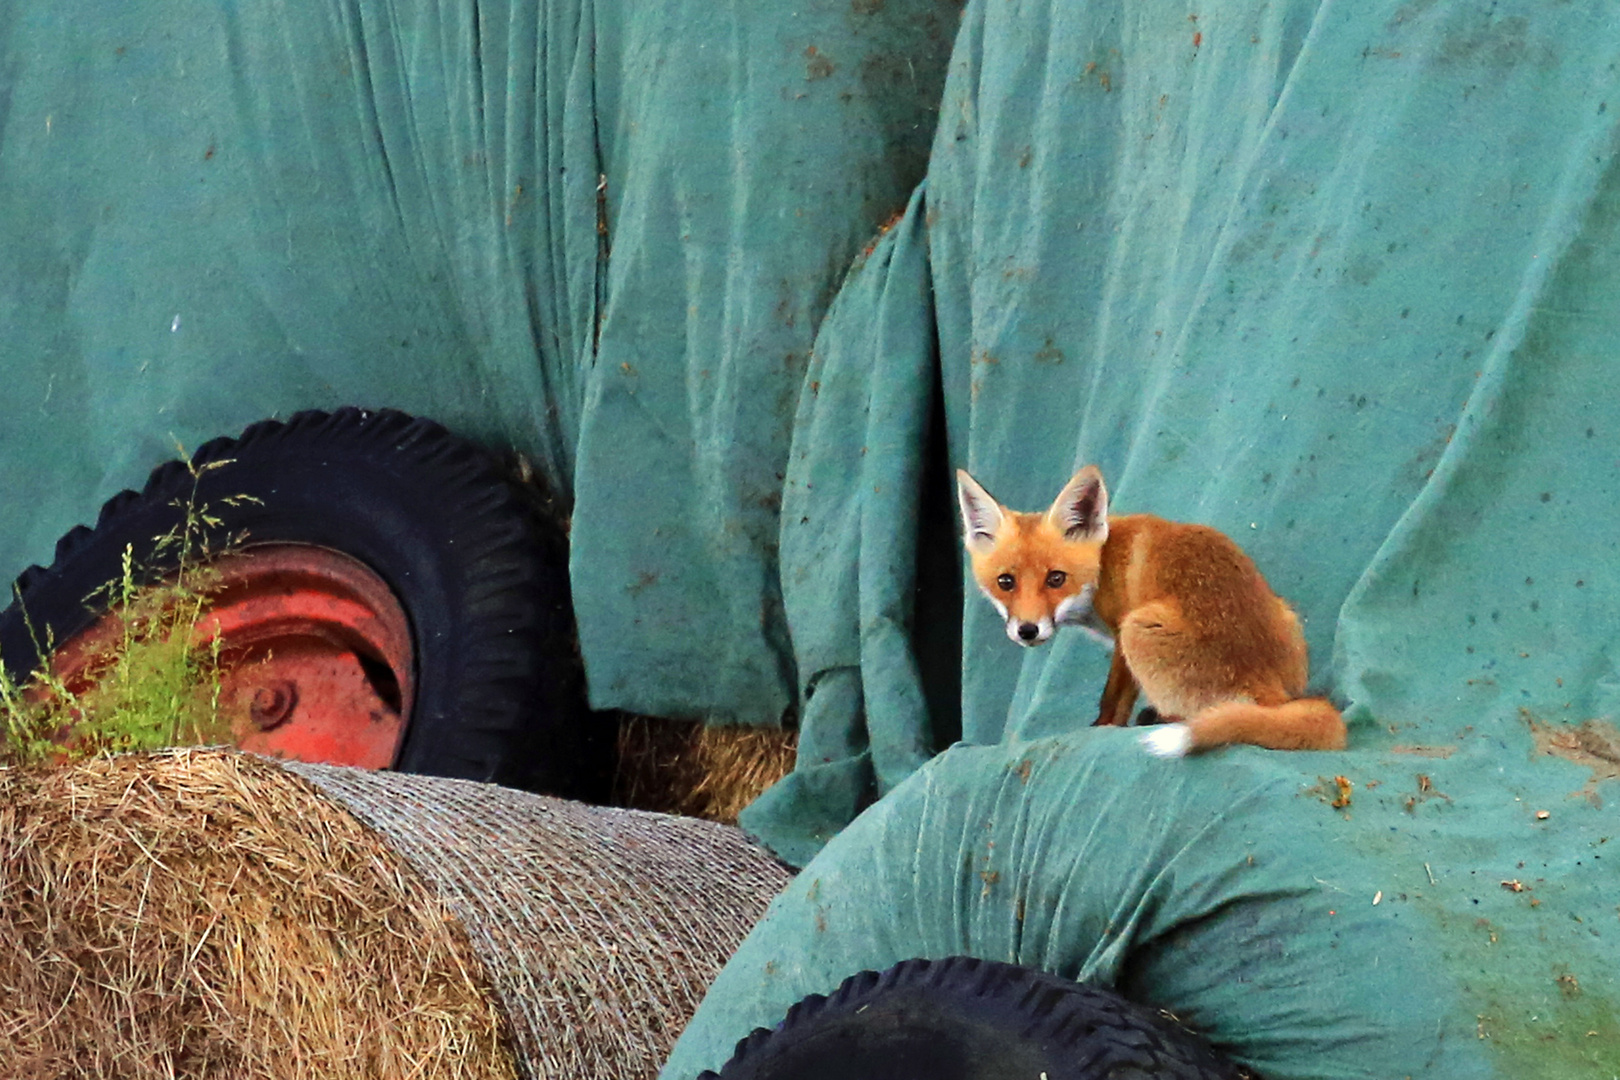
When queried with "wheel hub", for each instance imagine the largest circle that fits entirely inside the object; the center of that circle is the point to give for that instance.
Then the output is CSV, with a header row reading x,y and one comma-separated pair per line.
x,y
315,655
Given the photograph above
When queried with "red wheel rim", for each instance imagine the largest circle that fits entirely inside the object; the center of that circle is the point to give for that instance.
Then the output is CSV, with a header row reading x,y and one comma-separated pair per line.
x,y
315,655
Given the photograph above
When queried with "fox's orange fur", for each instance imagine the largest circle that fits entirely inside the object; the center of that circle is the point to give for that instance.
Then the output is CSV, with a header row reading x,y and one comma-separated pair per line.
x,y
1194,626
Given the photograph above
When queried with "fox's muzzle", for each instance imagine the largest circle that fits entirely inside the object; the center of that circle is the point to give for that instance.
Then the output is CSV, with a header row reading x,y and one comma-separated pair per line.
x,y
1029,634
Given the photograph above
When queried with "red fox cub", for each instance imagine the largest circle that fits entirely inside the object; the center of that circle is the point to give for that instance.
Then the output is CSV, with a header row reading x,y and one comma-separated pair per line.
x,y
1193,624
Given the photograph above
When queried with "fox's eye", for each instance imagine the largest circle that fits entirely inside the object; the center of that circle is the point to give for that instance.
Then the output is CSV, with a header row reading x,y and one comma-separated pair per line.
x,y
1055,579
1005,581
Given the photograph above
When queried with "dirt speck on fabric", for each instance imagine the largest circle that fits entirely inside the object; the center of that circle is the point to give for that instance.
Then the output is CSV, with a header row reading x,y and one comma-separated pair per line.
x,y
1425,751
817,64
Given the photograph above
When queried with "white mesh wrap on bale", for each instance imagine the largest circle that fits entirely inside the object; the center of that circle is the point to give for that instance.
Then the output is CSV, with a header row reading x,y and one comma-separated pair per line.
x,y
599,928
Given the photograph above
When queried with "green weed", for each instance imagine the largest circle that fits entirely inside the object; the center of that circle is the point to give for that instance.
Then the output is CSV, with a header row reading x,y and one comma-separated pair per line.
x,y
149,684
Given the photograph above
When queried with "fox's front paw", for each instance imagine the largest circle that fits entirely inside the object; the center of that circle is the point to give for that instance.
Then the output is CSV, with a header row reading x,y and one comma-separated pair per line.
x,y
1168,740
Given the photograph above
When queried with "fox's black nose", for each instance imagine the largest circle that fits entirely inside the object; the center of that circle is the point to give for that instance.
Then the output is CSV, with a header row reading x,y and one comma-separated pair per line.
x,y
1028,631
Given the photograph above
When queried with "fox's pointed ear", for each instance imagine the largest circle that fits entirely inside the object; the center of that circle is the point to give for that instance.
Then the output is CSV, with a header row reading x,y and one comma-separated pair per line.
x,y
981,515
1080,511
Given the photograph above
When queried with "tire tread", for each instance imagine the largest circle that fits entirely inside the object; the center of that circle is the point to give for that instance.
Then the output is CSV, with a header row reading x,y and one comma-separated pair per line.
x,y
517,662
1094,1030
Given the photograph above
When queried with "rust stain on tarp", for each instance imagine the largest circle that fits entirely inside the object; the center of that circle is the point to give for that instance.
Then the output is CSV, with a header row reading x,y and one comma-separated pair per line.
x,y
1594,744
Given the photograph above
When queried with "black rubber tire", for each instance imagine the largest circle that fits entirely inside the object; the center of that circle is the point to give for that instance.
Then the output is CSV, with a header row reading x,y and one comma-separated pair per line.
x,y
967,1019
482,577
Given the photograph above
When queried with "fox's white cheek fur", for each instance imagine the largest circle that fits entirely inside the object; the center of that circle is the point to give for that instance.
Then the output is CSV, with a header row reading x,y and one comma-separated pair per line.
x,y
1168,740
1077,611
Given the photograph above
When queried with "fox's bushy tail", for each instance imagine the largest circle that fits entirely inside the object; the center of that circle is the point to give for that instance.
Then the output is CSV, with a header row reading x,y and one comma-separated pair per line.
x,y
1301,724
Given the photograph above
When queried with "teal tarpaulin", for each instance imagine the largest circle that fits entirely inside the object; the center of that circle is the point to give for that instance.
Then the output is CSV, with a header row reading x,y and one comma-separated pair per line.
x,y
1209,886
1332,281
1338,279
603,234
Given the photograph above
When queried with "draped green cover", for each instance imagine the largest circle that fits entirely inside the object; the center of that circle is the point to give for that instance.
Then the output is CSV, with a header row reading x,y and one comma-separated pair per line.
x,y
1337,278
1340,280
600,233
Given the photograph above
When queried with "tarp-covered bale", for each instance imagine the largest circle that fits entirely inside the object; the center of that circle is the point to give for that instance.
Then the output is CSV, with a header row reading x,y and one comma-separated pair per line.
x,y
1308,940
212,914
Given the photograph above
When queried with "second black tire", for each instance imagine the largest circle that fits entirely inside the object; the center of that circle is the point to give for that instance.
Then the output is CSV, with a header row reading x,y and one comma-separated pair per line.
x,y
963,1018
481,576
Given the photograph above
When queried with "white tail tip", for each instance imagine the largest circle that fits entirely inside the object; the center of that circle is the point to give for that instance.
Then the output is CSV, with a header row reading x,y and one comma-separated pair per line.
x,y
1168,740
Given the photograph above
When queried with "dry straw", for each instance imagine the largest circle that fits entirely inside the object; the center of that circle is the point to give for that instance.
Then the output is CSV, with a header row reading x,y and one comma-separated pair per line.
x,y
706,771
208,915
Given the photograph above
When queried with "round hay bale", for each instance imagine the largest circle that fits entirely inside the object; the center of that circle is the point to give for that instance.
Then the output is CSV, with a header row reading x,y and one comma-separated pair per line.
x,y
601,928
207,913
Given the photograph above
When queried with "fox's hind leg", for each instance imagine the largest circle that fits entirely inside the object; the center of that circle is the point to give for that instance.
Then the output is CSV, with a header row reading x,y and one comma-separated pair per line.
x,y
1170,663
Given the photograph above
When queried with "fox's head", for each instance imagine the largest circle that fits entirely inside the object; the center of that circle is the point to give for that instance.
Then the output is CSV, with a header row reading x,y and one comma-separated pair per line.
x,y
1039,570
